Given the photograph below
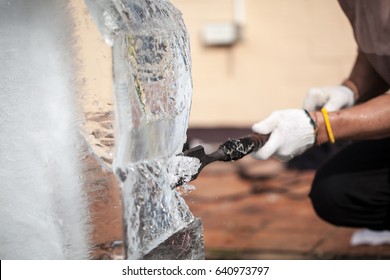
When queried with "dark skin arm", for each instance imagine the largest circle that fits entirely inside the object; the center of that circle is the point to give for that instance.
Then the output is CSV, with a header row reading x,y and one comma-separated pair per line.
x,y
364,81
370,118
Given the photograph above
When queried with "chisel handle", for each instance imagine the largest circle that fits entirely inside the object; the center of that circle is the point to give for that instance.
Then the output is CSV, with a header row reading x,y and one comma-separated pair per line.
x,y
235,149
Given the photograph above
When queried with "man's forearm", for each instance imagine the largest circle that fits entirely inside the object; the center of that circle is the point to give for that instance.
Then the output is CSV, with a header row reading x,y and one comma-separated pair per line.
x,y
369,120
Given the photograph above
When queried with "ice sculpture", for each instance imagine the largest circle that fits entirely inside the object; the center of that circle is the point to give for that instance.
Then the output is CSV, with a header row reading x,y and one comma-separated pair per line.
x,y
44,211
153,88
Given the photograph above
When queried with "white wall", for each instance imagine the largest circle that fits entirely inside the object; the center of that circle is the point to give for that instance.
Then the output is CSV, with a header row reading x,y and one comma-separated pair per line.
x,y
288,46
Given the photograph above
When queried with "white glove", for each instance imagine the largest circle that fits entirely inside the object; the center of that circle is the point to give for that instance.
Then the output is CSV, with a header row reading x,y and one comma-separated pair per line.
x,y
291,134
332,98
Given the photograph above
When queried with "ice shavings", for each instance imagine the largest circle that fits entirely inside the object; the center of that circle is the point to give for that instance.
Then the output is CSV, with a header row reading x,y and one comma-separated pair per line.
x,y
181,169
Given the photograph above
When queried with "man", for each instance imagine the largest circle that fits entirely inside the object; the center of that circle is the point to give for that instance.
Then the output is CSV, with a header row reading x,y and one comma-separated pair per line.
x,y
353,187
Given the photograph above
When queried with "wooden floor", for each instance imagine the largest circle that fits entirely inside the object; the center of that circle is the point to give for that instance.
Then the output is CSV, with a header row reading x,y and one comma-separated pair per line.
x,y
261,210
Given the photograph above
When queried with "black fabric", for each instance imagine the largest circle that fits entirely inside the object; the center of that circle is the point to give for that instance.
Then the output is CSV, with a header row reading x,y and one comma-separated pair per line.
x,y
314,157
352,188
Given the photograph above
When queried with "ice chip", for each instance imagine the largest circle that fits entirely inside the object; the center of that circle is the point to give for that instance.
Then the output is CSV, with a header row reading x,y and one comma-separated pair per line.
x,y
182,168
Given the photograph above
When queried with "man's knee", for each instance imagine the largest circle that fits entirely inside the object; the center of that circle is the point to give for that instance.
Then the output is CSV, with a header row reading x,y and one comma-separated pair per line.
x,y
324,196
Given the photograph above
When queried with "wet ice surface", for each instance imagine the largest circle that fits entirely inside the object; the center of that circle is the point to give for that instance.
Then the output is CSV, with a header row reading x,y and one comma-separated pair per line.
x,y
153,89
153,210
153,82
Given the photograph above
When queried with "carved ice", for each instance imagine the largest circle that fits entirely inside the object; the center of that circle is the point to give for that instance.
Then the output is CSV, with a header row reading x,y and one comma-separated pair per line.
x,y
153,88
44,211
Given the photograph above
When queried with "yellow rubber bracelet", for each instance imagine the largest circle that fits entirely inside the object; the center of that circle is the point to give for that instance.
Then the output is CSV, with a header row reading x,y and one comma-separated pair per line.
x,y
327,124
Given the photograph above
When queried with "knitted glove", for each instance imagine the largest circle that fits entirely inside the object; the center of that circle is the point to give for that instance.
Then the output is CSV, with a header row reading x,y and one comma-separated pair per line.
x,y
291,134
332,98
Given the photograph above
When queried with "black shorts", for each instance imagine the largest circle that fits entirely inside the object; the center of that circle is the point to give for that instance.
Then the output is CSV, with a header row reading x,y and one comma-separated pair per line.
x,y
352,188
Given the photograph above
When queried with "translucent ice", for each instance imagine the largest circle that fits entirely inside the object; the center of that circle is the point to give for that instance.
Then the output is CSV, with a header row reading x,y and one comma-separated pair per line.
x,y
153,210
153,89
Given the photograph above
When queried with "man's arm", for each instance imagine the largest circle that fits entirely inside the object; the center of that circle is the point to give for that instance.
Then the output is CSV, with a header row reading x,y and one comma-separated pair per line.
x,y
369,120
364,81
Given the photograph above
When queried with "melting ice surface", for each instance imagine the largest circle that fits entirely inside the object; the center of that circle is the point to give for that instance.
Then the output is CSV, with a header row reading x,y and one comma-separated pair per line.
x,y
153,89
155,211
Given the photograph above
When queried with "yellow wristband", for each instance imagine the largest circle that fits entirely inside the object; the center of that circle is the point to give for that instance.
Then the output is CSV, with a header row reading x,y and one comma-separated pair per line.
x,y
327,124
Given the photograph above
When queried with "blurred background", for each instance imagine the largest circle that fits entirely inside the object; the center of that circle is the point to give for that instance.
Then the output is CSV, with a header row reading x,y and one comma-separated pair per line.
x,y
280,49
249,57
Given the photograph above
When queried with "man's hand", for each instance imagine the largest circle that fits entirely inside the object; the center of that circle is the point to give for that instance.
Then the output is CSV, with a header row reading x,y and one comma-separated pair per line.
x,y
291,134
332,98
